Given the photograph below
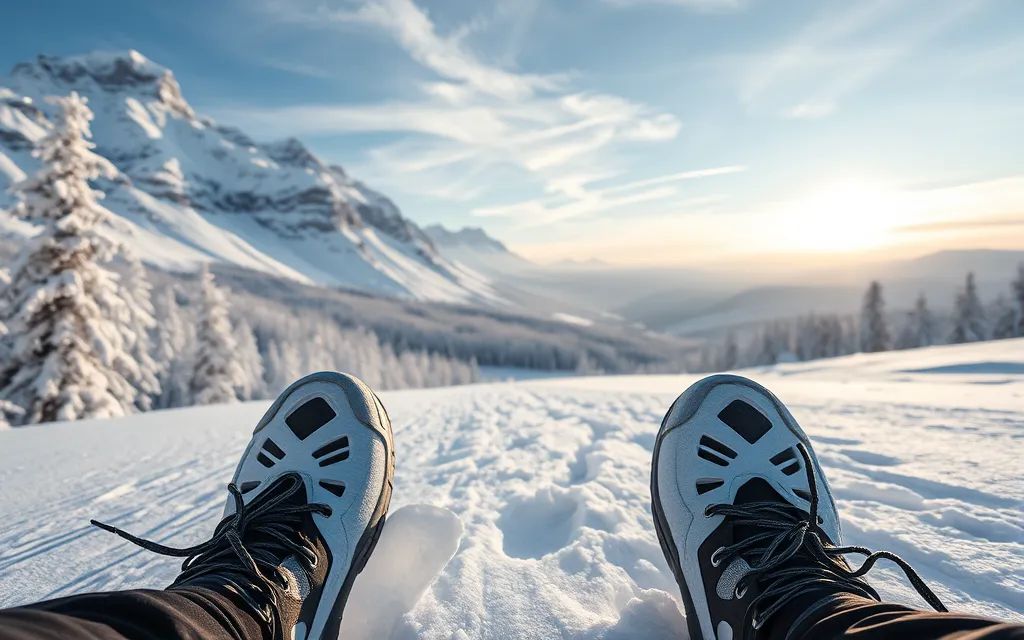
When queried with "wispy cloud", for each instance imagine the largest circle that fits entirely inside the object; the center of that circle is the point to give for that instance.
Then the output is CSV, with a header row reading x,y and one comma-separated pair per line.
x,y
471,117
839,53
708,6
964,225
539,212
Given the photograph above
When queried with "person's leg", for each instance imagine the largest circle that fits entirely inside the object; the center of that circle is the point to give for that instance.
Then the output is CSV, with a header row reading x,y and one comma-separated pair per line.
x,y
188,614
307,504
857,618
748,525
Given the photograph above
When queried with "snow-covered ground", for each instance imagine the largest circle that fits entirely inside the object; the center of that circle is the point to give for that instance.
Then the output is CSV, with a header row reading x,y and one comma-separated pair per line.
x,y
537,491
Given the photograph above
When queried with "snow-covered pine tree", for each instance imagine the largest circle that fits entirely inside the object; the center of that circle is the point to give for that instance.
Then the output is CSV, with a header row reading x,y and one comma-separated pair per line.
x,y
145,374
585,366
1004,318
289,366
920,328
173,350
765,351
835,336
1017,301
68,354
874,330
969,321
8,411
773,346
216,373
253,387
730,353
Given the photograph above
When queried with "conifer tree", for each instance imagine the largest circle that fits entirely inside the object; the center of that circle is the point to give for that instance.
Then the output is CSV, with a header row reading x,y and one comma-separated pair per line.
x,y
1004,319
731,353
921,329
969,321
175,342
1017,302
216,373
145,373
68,354
253,386
874,330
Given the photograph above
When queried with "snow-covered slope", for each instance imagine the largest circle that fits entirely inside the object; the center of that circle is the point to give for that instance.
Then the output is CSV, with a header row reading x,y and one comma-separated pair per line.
x,y
540,491
194,190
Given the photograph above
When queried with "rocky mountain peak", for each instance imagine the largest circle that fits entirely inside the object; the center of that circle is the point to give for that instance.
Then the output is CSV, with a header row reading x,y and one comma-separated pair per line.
x,y
111,71
292,153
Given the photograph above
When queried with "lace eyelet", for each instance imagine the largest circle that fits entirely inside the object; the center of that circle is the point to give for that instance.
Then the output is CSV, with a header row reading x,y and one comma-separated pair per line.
x,y
715,560
740,592
707,510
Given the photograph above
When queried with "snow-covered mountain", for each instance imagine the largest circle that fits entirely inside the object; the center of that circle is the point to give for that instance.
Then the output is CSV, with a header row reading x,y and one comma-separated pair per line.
x,y
551,482
191,189
474,248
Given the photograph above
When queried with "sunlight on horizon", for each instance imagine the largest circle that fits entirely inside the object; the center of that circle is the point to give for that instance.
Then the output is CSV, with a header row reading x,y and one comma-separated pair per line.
x,y
846,216
840,222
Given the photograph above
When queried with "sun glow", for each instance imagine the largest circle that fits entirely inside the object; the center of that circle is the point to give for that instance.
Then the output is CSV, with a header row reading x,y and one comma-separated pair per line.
x,y
846,216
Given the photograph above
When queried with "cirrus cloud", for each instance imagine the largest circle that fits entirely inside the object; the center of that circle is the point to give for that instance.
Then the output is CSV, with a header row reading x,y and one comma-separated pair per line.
x,y
471,118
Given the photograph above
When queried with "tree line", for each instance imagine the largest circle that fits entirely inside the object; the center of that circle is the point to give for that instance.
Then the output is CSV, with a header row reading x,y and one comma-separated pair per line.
x,y
84,335
818,336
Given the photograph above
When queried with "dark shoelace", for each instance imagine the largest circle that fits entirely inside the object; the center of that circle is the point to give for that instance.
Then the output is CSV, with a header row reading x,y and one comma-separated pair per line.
x,y
271,528
788,530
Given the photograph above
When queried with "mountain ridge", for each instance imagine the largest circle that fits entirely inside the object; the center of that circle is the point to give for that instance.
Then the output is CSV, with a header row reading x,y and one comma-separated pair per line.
x,y
195,190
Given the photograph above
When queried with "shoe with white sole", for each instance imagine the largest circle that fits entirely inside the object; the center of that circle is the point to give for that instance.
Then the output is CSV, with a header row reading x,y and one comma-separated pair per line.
x,y
306,507
745,516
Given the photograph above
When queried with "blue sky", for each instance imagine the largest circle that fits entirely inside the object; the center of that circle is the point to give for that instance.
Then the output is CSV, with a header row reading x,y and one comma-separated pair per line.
x,y
638,131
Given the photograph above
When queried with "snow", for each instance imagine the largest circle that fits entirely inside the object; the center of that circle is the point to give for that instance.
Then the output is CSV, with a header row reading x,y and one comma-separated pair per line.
x,y
538,492
509,374
568,318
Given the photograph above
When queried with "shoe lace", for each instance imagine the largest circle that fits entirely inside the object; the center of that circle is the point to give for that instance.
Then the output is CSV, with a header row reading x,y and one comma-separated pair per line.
x,y
785,530
247,546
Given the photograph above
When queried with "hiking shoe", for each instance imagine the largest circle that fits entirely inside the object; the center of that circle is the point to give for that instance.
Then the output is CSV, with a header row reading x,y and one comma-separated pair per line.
x,y
306,507
744,513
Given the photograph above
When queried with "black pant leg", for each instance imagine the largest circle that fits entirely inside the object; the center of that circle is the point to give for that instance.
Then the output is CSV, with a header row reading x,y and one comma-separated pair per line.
x,y
185,614
850,617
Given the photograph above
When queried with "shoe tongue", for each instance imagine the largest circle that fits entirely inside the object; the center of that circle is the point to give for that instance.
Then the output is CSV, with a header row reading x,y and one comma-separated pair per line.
x,y
757,490
754,490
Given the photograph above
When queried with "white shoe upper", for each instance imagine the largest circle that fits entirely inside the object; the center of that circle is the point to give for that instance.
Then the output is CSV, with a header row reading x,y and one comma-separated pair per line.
x,y
701,460
333,431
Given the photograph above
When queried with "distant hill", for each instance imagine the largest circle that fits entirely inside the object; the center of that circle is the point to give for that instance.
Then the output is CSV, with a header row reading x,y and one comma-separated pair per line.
x,y
683,311
988,265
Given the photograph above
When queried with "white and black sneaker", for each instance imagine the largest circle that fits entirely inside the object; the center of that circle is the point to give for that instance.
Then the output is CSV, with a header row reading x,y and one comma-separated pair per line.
x,y
744,514
306,507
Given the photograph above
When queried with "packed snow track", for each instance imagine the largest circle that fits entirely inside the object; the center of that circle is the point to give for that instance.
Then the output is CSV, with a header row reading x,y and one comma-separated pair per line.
x,y
522,510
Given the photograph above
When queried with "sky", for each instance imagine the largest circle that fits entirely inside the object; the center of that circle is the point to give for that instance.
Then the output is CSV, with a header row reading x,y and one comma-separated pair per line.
x,y
639,132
